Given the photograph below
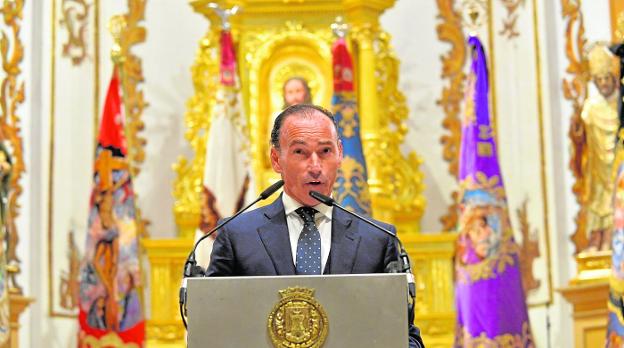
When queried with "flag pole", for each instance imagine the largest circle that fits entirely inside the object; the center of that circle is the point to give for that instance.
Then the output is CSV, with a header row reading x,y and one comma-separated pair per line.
x,y
116,26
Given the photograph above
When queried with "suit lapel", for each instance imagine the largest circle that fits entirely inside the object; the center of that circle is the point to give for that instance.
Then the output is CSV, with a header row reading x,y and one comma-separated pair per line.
x,y
344,243
274,236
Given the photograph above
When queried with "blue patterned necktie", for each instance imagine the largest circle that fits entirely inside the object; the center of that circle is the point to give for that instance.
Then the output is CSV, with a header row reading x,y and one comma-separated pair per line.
x,y
309,244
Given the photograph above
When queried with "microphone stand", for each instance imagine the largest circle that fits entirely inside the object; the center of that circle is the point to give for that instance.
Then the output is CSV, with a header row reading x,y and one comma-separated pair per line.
x,y
192,269
402,258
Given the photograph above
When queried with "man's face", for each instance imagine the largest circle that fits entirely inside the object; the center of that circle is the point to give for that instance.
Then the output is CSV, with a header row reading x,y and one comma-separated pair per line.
x,y
294,92
309,156
605,84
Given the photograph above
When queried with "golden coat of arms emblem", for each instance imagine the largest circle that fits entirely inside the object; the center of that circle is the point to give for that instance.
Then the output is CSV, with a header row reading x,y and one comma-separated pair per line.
x,y
298,320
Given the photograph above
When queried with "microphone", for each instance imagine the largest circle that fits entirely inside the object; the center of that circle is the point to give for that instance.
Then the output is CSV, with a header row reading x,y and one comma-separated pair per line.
x,y
191,269
402,258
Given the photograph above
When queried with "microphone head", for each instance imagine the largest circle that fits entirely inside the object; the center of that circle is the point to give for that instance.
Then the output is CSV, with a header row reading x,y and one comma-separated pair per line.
x,y
271,189
322,198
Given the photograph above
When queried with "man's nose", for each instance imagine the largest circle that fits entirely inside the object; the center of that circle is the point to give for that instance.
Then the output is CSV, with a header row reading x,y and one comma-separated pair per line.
x,y
314,165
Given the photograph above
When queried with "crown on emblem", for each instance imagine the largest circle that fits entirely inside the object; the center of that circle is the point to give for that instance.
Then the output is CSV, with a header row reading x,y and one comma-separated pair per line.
x,y
296,291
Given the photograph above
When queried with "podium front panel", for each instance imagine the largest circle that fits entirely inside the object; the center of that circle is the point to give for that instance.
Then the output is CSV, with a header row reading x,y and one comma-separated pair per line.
x,y
363,310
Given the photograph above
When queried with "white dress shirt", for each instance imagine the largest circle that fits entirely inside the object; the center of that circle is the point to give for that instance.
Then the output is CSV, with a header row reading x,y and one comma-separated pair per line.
x,y
323,220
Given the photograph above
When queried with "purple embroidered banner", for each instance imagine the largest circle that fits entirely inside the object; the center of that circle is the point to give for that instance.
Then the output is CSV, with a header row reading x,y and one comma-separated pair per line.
x,y
491,307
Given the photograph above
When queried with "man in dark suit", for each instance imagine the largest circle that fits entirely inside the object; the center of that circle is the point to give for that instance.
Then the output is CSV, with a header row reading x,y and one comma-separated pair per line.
x,y
295,234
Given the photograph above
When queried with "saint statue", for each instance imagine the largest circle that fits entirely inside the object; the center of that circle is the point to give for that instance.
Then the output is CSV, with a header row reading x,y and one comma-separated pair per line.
x,y
601,122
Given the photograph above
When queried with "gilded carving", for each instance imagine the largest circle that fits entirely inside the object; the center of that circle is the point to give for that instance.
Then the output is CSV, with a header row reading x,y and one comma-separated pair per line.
x,y
127,32
575,91
75,20
529,249
268,54
450,30
187,186
509,23
11,97
474,13
399,176
70,280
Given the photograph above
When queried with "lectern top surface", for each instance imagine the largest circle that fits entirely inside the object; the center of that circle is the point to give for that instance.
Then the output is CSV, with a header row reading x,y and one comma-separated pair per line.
x,y
360,310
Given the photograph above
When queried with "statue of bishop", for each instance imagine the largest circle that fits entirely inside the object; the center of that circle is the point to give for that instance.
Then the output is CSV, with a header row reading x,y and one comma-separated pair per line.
x,y
601,124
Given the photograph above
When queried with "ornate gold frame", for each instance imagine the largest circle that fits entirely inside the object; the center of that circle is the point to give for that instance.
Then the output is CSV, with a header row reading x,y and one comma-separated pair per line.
x,y
96,36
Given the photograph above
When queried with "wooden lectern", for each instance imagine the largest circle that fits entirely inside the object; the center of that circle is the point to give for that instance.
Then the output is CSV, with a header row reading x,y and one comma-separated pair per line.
x,y
358,310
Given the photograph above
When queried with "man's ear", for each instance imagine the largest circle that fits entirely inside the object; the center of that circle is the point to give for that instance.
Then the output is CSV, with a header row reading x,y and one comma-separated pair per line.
x,y
275,160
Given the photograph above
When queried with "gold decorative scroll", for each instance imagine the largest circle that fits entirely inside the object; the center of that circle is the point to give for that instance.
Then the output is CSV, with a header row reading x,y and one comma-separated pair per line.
x,y
529,249
70,279
187,187
75,20
575,90
126,33
450,30
11,97
475,13
400,177
509,23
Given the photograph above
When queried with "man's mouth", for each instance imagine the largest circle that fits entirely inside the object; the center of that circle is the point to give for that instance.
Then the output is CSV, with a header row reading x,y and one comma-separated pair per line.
x,y
314,183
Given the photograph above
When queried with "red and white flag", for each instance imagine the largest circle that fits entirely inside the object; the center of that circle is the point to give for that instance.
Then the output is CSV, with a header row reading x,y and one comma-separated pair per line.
x,y
228,183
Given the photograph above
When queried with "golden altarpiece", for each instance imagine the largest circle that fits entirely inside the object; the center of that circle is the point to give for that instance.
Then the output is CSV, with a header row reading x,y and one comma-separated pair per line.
x,y
275,40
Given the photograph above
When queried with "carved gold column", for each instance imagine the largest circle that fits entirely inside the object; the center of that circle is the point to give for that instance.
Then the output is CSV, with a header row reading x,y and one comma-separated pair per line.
x,y
11,97
431,256
368,102
166,258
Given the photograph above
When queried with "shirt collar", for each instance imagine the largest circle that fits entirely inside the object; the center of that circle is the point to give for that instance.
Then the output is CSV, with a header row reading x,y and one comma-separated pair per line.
x,y
290,205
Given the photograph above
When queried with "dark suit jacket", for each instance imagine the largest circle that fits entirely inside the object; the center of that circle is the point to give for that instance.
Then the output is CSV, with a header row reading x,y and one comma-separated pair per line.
x,y
257,244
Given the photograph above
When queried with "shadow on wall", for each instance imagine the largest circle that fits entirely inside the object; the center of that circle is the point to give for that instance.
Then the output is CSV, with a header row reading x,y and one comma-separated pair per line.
x,y
164,122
